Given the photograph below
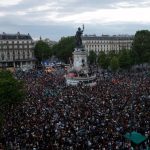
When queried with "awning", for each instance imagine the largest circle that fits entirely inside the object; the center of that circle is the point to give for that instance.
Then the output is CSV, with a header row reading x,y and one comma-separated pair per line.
x,y
135,137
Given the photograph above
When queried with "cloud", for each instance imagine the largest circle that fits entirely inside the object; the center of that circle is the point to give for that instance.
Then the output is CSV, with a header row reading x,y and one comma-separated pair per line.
x,y
2,14
131,4
6,3
76,11
72,13
103,16
53,6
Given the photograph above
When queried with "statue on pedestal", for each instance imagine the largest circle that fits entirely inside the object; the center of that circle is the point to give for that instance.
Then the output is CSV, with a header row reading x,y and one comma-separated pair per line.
x,y
79,72
78,37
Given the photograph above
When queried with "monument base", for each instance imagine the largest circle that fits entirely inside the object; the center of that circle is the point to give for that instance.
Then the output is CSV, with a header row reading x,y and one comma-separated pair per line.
x,y
86,81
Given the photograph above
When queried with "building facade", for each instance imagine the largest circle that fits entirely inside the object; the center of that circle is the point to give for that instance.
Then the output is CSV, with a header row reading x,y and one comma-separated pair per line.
x,y
107,43
16,50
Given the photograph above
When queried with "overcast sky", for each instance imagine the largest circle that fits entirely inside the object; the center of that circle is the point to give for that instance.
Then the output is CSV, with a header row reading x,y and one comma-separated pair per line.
x,y
57,18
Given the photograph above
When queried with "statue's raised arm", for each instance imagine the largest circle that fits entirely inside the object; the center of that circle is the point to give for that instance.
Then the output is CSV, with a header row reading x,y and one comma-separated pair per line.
x,y
83,27
78,37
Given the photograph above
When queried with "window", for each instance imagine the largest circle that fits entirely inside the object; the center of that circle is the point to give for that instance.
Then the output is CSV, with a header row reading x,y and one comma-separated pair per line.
x,y
8,55
10,46
20,46
18,53
28,54
4,47
23,55
15,46
30,46
2,56
25,46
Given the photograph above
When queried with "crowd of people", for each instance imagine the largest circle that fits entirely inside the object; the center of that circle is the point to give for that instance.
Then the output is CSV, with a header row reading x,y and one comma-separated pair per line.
x,y
56,116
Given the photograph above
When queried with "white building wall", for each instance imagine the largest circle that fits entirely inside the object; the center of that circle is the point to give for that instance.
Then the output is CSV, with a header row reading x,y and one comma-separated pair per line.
x,y
106,45
16,50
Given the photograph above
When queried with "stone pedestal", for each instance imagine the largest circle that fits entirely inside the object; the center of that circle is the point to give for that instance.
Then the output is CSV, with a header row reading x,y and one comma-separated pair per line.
x,y
80,58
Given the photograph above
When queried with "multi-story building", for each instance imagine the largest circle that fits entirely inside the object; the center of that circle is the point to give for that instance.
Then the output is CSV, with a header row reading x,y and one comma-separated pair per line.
x,y
16,50
107,43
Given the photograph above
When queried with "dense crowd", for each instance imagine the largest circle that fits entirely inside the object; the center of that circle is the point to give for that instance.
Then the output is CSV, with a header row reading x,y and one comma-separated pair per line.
x,y
56,116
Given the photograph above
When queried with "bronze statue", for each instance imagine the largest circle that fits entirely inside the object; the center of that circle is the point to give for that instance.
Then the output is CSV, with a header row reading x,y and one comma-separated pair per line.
x,y
78,37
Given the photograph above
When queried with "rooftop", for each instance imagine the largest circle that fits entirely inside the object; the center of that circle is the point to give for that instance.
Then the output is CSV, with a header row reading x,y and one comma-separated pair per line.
x,y
108,37
5,36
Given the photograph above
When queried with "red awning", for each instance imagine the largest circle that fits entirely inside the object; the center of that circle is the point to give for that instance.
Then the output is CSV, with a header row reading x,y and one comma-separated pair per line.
x,y
71,75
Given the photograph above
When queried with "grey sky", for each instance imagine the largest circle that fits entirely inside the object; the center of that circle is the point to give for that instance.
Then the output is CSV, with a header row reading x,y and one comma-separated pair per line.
x,y
57,18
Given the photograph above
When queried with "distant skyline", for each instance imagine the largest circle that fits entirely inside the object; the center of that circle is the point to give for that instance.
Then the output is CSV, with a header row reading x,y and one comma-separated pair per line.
x,y
55,19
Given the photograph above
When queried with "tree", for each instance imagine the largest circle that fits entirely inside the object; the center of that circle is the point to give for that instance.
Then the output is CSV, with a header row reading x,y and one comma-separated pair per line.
x,y
64,48
124,59
133,57
11,92
114,64
111,54
42,51
11,89
5,75
146,57
141,46
103,60
92,57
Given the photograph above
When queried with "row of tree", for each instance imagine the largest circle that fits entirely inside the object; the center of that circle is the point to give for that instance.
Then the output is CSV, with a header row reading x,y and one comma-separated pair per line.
x,y
112,60
62,50
139,54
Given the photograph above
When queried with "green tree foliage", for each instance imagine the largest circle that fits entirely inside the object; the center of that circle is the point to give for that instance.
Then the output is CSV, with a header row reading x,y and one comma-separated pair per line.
x,y
125,59
11,93
111,54
147,57
114,64
92,57
133,57
42,51
141,46
64,48
103,60
5,75
11,90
